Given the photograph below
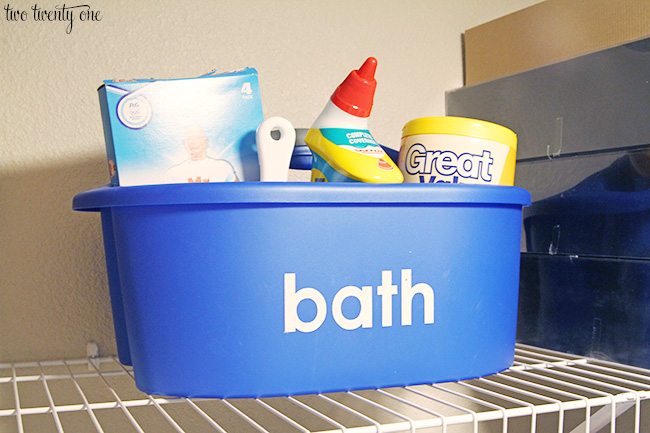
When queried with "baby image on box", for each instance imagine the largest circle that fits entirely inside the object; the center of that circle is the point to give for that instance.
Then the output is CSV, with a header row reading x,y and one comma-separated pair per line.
x,y
199,167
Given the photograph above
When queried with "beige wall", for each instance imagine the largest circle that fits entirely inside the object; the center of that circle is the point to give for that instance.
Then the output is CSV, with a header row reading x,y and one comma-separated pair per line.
x,y
53,290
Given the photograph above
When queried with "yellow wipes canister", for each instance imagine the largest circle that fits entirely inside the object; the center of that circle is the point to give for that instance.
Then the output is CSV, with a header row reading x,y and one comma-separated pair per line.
x,y
457,150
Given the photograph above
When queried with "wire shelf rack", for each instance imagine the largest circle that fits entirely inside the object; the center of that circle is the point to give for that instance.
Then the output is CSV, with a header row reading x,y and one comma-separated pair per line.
x,y
543,391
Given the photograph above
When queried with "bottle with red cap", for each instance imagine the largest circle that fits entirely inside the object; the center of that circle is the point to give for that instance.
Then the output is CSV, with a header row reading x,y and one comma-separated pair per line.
x,y
343,150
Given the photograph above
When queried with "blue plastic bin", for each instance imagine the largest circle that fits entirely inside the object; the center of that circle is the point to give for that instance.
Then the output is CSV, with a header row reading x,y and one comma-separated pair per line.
x,y
587,271
115,291
262,289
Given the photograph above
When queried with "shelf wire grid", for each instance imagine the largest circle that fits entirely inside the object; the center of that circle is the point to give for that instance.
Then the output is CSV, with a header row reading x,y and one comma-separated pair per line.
x,y
543,391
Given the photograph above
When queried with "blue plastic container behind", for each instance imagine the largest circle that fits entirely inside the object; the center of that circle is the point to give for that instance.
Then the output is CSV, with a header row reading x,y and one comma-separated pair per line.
x,y
260,289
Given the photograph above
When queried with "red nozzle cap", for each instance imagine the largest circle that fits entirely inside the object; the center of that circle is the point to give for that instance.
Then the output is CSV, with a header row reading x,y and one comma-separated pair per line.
x,y
356,93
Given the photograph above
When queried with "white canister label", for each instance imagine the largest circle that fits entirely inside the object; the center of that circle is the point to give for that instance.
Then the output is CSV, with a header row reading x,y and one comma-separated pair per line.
x,y
441,158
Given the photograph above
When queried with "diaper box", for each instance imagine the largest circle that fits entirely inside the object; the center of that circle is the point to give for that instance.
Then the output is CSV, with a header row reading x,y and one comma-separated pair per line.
x,y
187,130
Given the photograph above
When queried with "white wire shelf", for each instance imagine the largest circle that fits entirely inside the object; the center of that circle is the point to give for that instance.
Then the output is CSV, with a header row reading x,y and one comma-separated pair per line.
x,y
544,391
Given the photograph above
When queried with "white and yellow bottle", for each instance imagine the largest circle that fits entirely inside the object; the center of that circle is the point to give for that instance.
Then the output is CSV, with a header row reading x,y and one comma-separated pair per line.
x,y
343,150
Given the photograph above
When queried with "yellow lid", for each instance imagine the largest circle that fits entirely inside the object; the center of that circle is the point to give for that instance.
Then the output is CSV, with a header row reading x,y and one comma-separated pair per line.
x,y
461,126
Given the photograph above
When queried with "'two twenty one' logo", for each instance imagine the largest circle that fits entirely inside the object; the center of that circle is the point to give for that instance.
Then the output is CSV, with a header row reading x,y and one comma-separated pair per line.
x,y
365,295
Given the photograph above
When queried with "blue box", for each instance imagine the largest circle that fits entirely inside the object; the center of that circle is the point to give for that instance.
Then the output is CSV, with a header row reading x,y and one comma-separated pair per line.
x,y
182,130
257,289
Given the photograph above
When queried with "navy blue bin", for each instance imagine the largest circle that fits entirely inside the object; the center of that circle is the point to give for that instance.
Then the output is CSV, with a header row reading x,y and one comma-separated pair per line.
x,y
262,289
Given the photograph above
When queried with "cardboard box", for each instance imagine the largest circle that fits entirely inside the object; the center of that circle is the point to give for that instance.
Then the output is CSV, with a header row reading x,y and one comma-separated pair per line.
x,y
198,129
550,32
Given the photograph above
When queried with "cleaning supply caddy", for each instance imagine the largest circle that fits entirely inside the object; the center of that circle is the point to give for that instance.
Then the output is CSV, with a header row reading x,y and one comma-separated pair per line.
x,y
249,289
